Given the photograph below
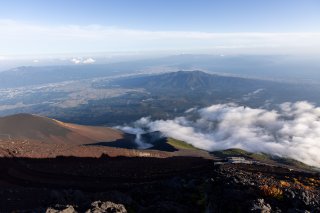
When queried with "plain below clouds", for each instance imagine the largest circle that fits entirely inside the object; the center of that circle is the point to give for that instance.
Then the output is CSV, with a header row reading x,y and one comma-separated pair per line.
x,y
292,131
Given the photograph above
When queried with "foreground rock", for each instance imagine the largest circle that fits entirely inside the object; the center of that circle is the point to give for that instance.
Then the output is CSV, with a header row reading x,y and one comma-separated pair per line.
x,y
107,207
263,188
139,184
96,207
61,209
178,184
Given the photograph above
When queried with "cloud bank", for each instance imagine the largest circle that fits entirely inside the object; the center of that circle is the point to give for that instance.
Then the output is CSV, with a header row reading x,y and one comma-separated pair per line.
x,y
292,131
18,38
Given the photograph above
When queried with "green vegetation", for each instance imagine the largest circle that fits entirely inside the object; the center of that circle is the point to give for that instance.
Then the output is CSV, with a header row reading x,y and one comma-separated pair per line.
x,y
231,152
180,144
243,153
261,157
295,163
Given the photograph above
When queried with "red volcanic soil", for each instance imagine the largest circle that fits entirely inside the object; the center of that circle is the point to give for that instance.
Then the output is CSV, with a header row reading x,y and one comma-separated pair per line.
x,y
44,162
32,136
36,149
50,131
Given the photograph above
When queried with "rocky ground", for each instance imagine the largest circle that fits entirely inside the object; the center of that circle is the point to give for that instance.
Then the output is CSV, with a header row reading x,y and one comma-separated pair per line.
x,y
96,207
35,149
139,184
263,188
149,184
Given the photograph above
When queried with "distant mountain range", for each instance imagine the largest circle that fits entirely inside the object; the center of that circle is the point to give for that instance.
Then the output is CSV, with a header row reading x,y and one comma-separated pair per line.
x,y
216,87
189,81
29,75
181,80
123,98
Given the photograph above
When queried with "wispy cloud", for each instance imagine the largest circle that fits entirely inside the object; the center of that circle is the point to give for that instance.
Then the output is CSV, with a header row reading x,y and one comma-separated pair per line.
x,y
27,38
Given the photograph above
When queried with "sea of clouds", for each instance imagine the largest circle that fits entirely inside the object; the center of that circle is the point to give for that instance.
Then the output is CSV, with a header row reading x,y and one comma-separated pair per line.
x,y
291,131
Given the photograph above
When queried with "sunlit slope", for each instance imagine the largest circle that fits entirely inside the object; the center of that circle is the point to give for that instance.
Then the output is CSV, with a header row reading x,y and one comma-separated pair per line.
x,y
46,130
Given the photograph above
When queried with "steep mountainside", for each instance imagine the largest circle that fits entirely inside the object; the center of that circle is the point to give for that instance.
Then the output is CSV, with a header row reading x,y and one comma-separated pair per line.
x,y
26,135
46,130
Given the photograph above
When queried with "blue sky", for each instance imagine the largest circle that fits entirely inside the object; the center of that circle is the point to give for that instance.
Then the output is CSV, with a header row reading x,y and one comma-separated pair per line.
x,y
191,15
74,26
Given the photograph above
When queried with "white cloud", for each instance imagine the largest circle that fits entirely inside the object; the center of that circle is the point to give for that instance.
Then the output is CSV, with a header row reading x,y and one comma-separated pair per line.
x,y
25,38
88,61
3,58
83,60
138,132
76,60
292,131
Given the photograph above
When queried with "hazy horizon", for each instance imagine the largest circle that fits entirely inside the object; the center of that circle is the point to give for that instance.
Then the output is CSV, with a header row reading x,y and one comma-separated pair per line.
x,y
35,30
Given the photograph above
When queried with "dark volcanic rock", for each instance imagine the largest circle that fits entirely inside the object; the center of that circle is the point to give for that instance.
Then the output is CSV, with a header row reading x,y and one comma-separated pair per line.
x,y
262,188
154,185
164,207
139,184
96,207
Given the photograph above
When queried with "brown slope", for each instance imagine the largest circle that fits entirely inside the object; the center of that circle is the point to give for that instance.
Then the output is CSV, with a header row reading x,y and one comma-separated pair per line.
x,y
42,129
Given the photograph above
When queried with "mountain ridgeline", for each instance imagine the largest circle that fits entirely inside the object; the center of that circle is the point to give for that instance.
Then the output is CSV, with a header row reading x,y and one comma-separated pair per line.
x,y
181,80
186,81
215,88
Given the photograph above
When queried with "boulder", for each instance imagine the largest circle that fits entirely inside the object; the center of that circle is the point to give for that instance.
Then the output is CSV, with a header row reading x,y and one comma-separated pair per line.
x,y
106,207
259,206
59,209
